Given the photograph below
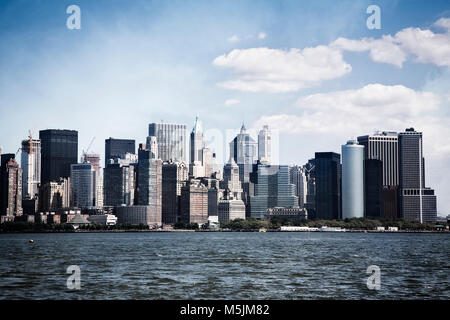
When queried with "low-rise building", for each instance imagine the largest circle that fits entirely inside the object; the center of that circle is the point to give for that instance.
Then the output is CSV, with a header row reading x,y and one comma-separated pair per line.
x,y
103,219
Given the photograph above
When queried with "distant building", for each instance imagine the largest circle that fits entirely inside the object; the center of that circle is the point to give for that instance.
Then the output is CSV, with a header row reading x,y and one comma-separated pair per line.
x,y
352,180
31,167
55,195
119,182
171,140
243,150
298,177
264,145
97,177
417,203
230,210
231,183
373,188
174,176
103,219
81,179
118,148
272,188
10,188
328,185
390,203
295,214
59,150
147,215
194,203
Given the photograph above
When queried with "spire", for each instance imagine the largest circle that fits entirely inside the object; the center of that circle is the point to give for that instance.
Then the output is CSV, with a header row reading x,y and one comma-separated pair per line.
x,y
197,126
243,129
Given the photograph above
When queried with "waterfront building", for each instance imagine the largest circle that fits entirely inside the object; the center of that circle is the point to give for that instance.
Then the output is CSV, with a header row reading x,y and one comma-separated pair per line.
x,y
328,185
118,148
171,140
352,180
97,177
264,145
293,214
373,188
194,202
81,179
243,150
31,167
59,150
272,188
310,172
231,183
174,176
417,202
230,210
147,215
55,195
384,147
120,181
103,219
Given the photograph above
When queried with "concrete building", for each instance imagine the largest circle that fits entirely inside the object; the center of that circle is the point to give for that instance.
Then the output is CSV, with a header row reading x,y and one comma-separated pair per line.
x,y
417,202
31,167
59,150
352,180
194,202
231,183
103,219
298,178
97,176
230,210
118,148
120,181
10,188
243,150
81,179
174,176
328,185
293,214
272,188
171,140
264,145
147,215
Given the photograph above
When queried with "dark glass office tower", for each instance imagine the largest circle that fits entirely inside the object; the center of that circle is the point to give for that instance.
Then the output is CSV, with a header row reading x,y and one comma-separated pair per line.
x,y
59,150
373,188
118,148
328,185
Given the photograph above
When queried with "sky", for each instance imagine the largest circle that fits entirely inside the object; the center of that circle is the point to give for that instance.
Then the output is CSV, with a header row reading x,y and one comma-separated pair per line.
x,y
312,70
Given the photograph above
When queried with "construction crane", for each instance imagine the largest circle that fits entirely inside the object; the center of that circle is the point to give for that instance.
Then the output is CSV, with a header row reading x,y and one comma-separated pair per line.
x,y
87,149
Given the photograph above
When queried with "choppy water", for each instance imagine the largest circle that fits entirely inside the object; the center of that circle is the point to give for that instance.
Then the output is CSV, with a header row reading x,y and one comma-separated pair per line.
x,y
225,265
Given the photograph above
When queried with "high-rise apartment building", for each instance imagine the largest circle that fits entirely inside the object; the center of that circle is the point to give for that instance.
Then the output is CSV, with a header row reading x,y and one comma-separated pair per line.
x,y
417,203
171,139
118,148
31,167
352,180
328,185
59,150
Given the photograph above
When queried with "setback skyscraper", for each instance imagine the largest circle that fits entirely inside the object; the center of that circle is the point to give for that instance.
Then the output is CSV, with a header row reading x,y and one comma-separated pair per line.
x,y
264,145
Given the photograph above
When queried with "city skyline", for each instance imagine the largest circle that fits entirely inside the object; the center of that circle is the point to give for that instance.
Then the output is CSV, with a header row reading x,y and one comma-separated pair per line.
x,y
405,87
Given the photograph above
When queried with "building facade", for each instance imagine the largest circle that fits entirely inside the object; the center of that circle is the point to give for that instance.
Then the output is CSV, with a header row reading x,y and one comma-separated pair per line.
x,y
31,167
194,202
10,188
118,148
352,180
328,186
171,140
149,182
264,145
82,183
174,176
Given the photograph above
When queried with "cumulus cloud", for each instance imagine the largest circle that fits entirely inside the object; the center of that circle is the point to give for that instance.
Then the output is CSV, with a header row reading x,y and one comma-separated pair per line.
x,y
276,70
231,102
233,38
424,46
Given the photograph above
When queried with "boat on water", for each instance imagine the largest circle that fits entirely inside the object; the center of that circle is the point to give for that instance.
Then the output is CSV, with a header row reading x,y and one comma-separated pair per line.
x,y
331,229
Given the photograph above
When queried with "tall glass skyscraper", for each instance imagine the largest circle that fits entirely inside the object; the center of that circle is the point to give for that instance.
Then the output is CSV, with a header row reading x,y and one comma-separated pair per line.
x,y
171,139
328,185
59,150
31,167
118,148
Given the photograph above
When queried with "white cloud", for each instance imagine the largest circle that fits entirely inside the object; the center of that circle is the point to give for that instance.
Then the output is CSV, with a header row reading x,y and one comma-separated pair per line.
x,y
261,35
231,102
422,46
276,70
233,38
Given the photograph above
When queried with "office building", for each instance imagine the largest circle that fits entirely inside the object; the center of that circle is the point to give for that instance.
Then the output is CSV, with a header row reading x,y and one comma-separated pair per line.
x,y
292,214
31,167
97,176
383,146
230,210
171,140
352,180
264,145
118,148
243,150
272,188
149,182
417,203
174,176
373,188
81,179
135,215
194,202
120,181
231,183
299,180
328,185
10,188
55,195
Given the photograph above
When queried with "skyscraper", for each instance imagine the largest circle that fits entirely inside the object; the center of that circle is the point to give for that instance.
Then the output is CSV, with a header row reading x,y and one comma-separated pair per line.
x,y
272,189
55,195
417,203
298,178
231,184
171,139
119,181
174,176
97,182
383,146
243,149
194,202
59,150
264,145
11,188
81,179
352,180
328,185
373,189
31,167
118,148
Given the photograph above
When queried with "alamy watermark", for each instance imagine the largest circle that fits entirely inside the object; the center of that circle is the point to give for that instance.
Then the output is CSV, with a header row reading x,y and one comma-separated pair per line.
x,y
74,280
74,20
374,280
374,20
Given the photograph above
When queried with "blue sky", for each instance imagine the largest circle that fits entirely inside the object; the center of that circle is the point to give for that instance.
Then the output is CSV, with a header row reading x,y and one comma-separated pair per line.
x,y
136,62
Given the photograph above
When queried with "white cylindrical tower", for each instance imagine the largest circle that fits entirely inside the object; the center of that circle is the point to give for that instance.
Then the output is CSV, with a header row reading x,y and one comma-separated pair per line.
x,y
352,180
